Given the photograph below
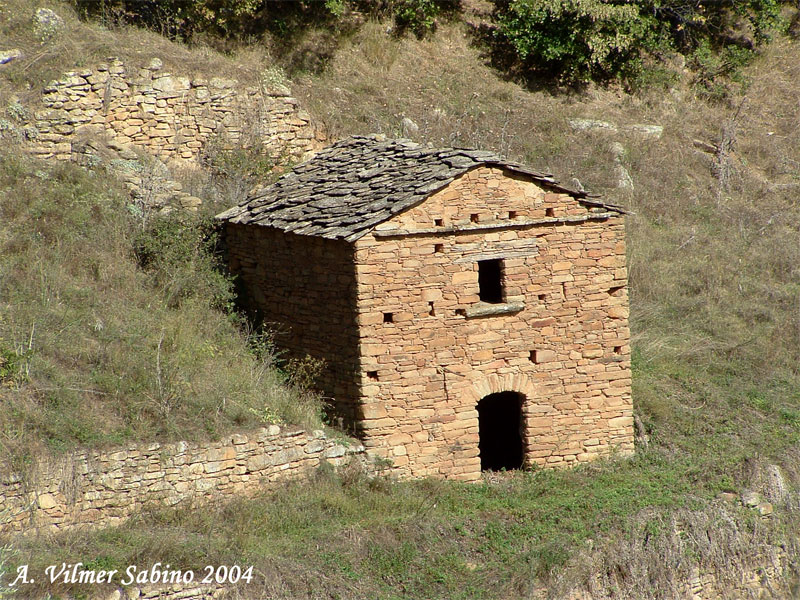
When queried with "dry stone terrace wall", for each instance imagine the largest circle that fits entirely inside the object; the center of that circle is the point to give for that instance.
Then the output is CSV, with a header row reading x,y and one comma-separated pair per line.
x,y
167,115
562,342
105,488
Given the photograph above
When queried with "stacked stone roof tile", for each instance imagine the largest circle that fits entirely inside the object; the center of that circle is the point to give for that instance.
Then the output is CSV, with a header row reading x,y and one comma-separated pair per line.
x,y
359,182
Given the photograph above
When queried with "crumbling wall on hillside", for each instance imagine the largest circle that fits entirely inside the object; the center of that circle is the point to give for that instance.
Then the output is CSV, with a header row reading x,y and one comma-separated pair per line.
x,y
169,116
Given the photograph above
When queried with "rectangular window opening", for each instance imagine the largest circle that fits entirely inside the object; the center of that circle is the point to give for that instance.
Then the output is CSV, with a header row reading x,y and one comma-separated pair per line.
x,y
372,375
617,349
461,312
512,214
490,281
388,317
473,218
549,212
438,222
542,297
614,291
431,312
438,247
533,357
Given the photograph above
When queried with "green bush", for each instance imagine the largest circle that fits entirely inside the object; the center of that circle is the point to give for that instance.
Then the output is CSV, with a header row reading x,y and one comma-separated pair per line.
x,y
583,40
746,23
418,16
183,19
715,70
179,255
577,40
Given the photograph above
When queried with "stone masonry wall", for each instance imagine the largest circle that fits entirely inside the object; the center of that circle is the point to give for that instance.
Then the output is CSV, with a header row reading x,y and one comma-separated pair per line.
x,y
169,116
104,488
304,289
560,337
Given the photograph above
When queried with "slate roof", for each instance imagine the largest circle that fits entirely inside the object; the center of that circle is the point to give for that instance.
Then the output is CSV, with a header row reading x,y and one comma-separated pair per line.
x,y
355,184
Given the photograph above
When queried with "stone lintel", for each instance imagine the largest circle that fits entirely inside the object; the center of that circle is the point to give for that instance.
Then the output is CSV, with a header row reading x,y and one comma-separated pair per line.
x,y
485,309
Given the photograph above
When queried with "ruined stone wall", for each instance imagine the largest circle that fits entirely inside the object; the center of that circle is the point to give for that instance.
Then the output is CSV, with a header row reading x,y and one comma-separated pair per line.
x,y
167,115
104,488
304,289
560,337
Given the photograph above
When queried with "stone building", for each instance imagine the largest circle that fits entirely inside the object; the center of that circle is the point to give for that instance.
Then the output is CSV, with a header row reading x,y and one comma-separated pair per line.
x,y
472,313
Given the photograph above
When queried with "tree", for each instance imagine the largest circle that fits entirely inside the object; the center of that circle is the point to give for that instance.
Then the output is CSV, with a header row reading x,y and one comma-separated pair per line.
x,y
577,40
582,40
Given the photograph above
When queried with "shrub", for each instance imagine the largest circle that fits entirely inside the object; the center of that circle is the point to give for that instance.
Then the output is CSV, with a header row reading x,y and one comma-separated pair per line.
x,y
178,253
183,19
235,170
418,16
745,23
582,40
577,40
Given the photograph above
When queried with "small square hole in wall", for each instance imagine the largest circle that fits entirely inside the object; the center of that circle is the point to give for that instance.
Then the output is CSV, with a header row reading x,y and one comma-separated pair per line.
x,y
615,291
533,357
431,310
512,214
438,222
473,218
461,312
549,212
542,297
388,317
372,375
438,247
617,349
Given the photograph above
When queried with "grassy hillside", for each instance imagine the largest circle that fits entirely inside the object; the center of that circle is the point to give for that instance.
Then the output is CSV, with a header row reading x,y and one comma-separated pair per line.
x,y
103,315
712,253
106,310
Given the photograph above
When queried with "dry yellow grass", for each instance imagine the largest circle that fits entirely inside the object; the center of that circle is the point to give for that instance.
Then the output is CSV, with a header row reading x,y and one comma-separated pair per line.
x,y
83,44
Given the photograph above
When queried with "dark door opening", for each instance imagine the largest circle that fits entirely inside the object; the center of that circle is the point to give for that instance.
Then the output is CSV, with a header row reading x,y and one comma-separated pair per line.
x,y
500,431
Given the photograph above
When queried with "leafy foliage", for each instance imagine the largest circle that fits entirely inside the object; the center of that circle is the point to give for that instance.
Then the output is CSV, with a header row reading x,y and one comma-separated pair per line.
x,y
575,41
582,40
184,18
419,16
578,40
178,253
718,22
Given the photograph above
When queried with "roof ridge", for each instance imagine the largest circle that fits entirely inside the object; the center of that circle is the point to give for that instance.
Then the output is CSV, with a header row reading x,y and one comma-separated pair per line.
x,y
362,180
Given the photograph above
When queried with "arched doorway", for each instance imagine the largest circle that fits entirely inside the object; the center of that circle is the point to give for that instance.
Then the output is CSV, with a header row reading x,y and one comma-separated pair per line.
x,y
500,431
